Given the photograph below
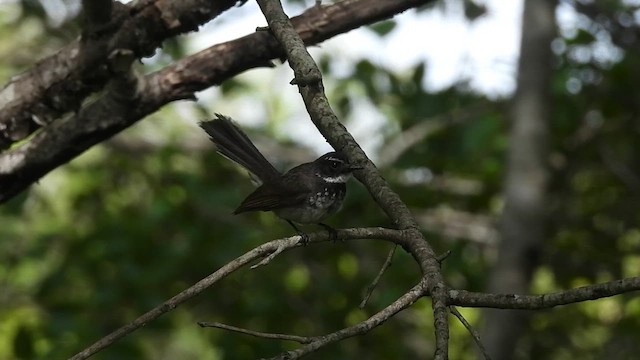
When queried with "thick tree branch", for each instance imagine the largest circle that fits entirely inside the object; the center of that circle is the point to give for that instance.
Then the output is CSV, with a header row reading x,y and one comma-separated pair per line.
x,y
544,301
63,140
309,81
59,83
258,252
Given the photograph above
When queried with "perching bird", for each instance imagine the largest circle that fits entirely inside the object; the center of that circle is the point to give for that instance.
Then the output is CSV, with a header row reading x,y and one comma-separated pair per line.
x,y
306,194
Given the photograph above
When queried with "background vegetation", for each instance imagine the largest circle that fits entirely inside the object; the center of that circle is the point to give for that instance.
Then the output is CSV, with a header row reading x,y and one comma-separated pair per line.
x,y
142,216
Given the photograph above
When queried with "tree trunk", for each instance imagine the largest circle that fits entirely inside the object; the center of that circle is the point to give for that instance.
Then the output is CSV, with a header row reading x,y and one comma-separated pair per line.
x,y
524,219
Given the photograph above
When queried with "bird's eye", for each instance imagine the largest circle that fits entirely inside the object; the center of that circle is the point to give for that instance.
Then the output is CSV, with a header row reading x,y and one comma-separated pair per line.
x,y
334,164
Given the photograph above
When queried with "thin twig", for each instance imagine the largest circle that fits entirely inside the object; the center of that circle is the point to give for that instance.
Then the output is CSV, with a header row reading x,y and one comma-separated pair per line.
x,y
472,331
372,286
442,257
273,336
270,257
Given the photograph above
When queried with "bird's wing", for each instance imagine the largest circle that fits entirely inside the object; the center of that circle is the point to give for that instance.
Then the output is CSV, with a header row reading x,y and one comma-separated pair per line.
x,y
273,198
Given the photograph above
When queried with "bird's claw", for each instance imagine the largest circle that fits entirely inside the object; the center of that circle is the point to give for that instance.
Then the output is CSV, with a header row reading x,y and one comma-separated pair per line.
x,y
304,238
333,233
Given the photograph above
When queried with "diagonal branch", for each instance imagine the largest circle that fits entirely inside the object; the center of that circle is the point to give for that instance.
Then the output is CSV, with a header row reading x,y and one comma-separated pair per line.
x,y
472,331
369,290
63,140
502,301
403,302
59,83
309,81
260,334
313,343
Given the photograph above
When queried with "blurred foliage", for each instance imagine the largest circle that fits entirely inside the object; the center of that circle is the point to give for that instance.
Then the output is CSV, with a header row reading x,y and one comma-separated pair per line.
x,y
143,216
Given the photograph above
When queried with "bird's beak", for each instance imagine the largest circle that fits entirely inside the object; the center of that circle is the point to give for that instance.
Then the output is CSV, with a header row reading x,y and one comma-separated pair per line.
x,y
355,167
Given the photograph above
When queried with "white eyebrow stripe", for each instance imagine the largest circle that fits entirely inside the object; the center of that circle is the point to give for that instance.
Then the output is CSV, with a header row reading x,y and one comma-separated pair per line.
x,y
337,179
335,159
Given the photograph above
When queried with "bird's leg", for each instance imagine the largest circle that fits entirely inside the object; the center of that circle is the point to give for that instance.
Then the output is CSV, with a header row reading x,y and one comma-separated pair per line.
x,y
333,233
304,238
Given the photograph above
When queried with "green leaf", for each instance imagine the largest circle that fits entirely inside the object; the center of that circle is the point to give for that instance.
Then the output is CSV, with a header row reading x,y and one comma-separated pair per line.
x,y
383,28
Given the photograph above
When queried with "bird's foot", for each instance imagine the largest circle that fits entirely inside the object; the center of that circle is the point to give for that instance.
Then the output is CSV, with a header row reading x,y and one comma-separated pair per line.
x,y
304,237
333,233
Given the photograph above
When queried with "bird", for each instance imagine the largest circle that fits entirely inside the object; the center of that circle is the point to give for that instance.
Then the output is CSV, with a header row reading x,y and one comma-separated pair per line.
x,y
306,194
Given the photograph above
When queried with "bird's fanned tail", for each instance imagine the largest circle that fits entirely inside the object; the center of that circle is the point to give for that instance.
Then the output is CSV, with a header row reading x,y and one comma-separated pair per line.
x,y
233,144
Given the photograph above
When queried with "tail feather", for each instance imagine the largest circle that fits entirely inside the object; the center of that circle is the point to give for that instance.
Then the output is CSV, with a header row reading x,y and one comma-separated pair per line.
x,y
233,144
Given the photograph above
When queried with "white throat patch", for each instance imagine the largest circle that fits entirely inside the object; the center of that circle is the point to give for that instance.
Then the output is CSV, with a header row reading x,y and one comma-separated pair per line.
x,y
337,179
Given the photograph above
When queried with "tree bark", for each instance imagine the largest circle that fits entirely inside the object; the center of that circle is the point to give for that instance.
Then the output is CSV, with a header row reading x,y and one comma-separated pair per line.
x,y
61,82
524,219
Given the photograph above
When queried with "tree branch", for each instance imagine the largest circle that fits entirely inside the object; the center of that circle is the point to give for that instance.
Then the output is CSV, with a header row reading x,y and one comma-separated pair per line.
x,y
59,83
456,297
309,81
258,252
65,139
369,290
474,333
264,335
536,302
314,343
403,302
